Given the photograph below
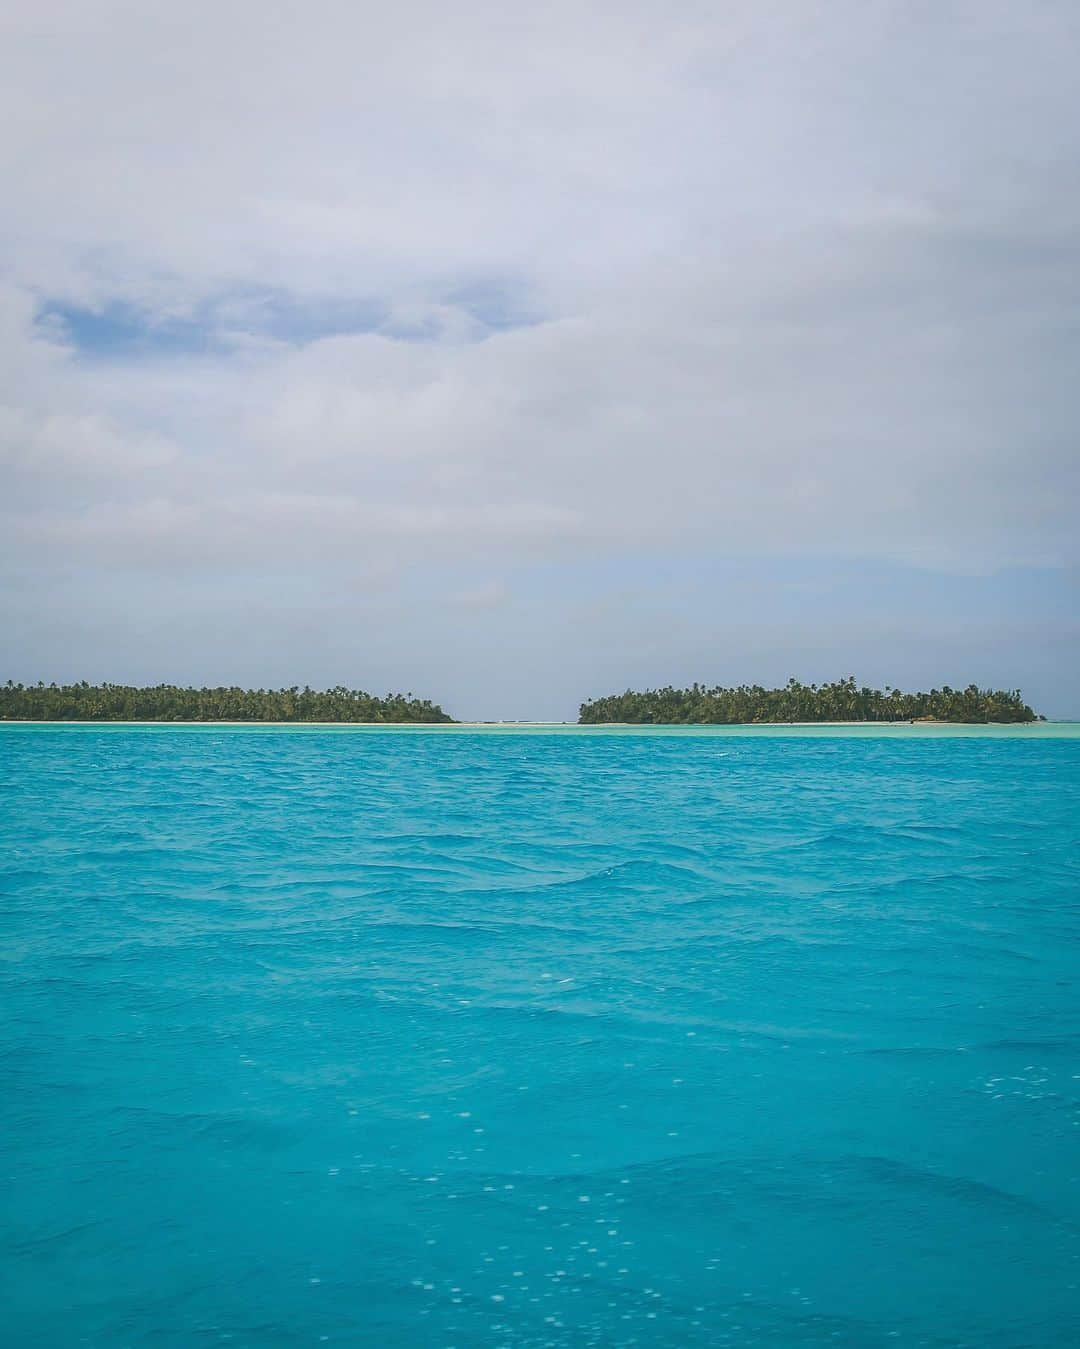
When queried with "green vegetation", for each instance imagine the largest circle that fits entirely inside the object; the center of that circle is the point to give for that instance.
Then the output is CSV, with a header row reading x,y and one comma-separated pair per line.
x,y
842,701
168,702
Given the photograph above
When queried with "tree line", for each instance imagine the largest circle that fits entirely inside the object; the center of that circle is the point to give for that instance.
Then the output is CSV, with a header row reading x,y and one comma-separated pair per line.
x,y
171,702
843,700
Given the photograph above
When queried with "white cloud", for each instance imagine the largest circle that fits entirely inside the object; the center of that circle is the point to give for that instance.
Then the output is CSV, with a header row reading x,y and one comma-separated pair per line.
x,y
64,445
798,282
862,403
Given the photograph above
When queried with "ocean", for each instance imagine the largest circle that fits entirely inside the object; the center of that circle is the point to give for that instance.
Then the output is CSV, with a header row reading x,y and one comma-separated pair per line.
x,y
539,1037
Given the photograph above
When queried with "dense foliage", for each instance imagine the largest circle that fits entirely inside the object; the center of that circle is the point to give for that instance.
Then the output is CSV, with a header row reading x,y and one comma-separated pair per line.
x,y
168,702
841,701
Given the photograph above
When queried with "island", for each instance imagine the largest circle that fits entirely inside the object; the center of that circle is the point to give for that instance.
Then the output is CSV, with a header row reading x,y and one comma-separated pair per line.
x,y
171,702
843,700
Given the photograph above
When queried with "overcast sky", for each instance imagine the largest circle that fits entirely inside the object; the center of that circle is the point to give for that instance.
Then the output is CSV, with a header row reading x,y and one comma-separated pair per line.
x,y
514,355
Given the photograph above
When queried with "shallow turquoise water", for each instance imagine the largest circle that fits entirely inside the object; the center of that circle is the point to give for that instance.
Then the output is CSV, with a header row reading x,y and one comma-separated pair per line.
x,y
458,1038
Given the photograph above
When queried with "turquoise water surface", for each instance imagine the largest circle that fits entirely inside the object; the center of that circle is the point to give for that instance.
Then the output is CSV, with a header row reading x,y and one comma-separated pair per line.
x,y
539,1038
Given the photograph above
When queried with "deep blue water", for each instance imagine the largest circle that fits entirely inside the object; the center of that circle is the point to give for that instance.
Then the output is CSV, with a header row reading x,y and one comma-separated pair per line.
x,y
463,1039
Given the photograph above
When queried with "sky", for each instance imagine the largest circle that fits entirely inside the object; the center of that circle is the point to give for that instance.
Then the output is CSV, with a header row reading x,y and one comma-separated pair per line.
x,y
513,356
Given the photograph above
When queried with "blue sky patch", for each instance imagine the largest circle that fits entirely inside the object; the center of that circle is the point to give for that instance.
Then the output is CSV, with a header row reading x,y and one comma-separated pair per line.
x,y
123,331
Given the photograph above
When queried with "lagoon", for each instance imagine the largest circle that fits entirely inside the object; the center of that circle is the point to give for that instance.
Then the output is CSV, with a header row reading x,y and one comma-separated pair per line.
x,y
540,1035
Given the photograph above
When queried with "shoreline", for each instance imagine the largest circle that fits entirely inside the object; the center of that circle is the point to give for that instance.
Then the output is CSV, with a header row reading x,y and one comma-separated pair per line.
x,y
911,730
447,725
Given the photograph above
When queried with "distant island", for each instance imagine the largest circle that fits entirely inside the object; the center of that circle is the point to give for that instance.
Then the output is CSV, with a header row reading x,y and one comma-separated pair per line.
x,y
795,702
170,702
698,705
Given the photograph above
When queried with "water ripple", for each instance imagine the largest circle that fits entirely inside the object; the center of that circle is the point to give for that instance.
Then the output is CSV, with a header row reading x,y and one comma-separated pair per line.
x,y
464,1039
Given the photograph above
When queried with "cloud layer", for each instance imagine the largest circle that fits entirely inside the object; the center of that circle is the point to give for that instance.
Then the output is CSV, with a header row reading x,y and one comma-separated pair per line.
x,y
332,311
